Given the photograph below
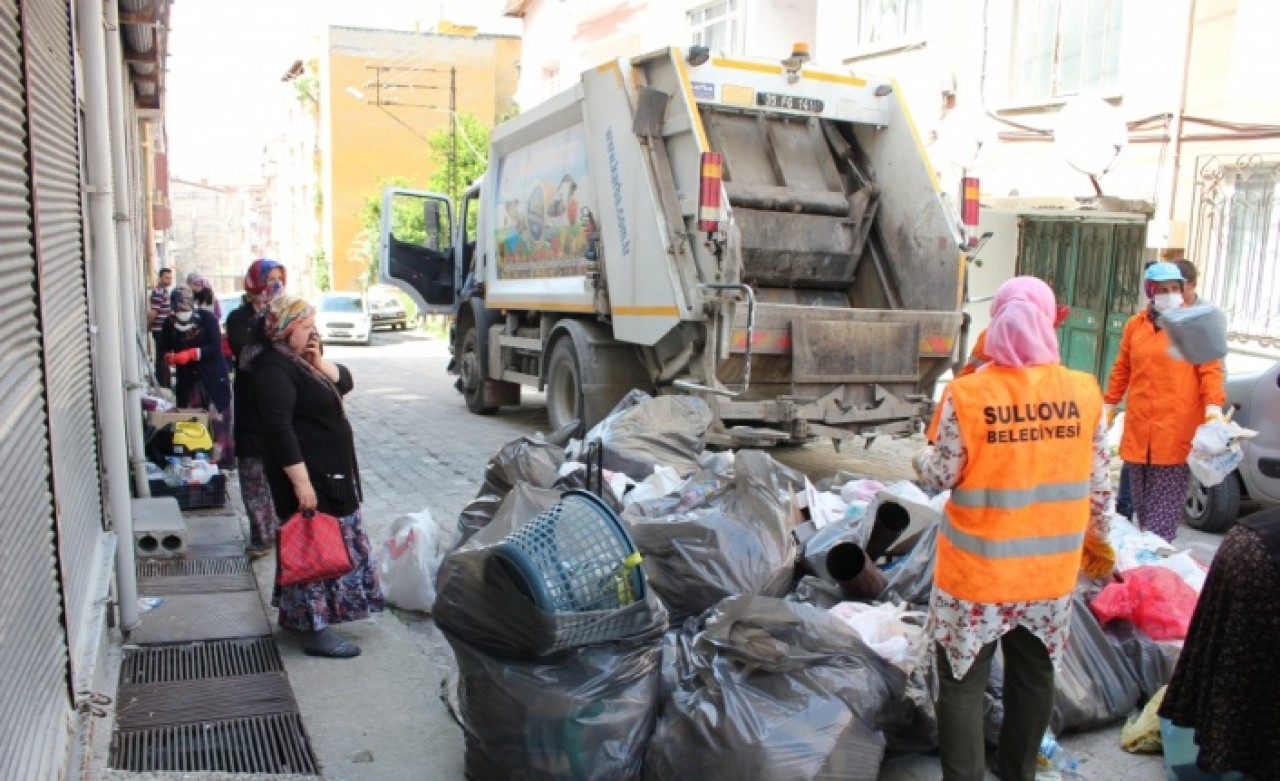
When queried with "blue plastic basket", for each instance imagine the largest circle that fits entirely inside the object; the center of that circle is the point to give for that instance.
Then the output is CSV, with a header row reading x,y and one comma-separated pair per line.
x,y
576,557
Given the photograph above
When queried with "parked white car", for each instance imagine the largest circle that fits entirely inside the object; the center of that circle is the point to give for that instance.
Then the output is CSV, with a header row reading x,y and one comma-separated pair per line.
x,y
388,312
344,317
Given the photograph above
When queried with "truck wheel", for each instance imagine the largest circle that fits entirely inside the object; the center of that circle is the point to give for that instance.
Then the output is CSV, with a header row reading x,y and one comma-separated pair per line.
x,y
1213,509
471,375
564,386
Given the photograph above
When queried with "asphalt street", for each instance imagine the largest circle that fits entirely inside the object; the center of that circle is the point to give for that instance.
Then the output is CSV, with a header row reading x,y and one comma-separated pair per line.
x,y
380,716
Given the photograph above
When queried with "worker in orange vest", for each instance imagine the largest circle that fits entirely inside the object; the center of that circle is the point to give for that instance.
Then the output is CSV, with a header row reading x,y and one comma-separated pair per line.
x,y
978,358
1023,446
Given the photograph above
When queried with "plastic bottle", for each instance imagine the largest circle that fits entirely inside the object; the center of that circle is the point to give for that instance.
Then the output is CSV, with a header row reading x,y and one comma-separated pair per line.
x,y
1054,756
200,470
173,472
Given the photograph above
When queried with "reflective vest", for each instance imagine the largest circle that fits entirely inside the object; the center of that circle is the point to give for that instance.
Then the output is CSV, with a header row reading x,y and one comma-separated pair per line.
x,y
1014,525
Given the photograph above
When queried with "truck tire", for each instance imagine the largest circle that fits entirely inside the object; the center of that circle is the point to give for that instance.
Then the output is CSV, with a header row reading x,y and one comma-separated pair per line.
x,y
564,387
471,374
1213,509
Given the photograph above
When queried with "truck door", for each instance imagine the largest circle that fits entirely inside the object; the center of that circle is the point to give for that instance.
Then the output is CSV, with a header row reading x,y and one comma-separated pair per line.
x,y
417,253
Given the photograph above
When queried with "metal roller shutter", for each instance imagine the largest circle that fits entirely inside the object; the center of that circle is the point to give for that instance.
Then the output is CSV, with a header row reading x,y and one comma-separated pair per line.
x,y
64,313
35,707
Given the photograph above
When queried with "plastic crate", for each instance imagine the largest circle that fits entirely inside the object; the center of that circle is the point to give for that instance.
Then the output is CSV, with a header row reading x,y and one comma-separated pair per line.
x,y
194,497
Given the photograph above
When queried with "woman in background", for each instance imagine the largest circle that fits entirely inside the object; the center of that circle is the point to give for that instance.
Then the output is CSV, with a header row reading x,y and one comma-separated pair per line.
x,y
264,280
192,342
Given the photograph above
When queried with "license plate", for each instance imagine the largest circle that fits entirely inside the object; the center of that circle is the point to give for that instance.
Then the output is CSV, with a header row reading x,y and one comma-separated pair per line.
x,y
788,102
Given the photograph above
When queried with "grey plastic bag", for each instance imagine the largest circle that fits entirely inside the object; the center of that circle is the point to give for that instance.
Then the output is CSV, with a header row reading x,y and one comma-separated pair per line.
x,y
911,579
523,460
1093,685
1150,663
1198,332
643,432
774,690
740,542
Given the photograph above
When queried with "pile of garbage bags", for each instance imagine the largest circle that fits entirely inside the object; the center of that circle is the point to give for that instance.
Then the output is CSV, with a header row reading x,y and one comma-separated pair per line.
x,y
779,630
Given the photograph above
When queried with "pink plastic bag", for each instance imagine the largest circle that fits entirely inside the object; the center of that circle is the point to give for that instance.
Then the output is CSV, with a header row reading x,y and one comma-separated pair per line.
x,y
1152,598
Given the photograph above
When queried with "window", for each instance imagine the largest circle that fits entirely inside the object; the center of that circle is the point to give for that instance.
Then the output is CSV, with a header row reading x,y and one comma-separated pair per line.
x,y
718,27
883,22
1236,242
1064,48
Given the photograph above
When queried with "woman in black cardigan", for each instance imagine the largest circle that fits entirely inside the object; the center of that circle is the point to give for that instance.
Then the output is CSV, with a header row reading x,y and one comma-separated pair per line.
x,y
310,463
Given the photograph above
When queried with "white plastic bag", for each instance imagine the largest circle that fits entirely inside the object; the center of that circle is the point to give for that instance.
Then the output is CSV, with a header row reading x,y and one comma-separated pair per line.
x,y
884,628
409,560
1133,547
1215,450
662,482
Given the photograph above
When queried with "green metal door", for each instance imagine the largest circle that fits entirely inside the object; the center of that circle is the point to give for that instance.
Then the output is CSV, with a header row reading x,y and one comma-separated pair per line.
x,y
1126,290
1092,267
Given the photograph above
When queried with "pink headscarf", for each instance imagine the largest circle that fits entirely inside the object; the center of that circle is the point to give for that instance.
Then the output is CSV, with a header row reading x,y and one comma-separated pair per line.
x,y
1021,330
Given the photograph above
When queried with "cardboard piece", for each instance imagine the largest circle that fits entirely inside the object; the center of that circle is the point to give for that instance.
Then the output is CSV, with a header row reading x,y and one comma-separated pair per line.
x,y
161,419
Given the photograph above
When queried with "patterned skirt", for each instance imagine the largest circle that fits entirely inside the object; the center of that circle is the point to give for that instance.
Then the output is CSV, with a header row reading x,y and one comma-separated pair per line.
x,y
310,607
256,493
1227,681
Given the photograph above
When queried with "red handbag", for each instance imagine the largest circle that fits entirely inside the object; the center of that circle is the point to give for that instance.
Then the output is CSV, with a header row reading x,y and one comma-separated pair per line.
x,y
311,548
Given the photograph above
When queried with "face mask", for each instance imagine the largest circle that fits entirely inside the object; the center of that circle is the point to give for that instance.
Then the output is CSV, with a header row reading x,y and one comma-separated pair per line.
x,y
182,316
1166,301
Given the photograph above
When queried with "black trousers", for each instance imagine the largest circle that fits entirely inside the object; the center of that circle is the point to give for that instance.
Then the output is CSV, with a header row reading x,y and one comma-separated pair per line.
x,y
162,368
1028,706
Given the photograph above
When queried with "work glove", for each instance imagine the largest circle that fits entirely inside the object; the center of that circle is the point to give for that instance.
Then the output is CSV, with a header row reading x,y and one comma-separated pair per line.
x,y
184,357
1213,412
1099,559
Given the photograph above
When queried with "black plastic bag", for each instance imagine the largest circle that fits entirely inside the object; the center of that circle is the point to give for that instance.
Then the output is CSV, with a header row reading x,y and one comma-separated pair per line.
x,y
479,603
776,690
1093,684
643,432
523,460
585,714
1150,663
738,541
910,580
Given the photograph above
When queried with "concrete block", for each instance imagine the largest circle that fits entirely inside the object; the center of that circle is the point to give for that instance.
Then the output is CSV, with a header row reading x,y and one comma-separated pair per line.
x,y
159,530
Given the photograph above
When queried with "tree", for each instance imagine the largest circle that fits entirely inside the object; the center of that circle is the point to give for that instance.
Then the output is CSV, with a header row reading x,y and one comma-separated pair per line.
x,y
473,155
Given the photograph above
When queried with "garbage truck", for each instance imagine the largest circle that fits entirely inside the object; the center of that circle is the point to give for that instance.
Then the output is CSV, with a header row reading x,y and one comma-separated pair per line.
x,y
767,236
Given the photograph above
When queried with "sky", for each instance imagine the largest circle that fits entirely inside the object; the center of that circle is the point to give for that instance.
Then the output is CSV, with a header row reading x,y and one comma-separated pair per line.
x,y
226,58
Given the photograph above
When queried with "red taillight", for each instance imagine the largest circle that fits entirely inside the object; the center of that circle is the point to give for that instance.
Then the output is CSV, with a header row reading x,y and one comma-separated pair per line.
x,y
710,215
969,208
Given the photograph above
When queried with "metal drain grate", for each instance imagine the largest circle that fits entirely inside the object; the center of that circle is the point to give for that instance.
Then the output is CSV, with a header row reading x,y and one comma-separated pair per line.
x,y
168,568
266,744
215,659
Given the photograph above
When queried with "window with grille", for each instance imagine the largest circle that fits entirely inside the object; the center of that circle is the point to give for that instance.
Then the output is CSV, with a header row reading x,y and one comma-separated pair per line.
x,y
718,27
1237,244
885,22
1064,48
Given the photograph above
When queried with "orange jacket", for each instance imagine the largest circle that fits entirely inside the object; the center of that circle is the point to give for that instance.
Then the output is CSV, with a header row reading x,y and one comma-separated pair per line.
x,y
1014,526
977,357
1166,395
